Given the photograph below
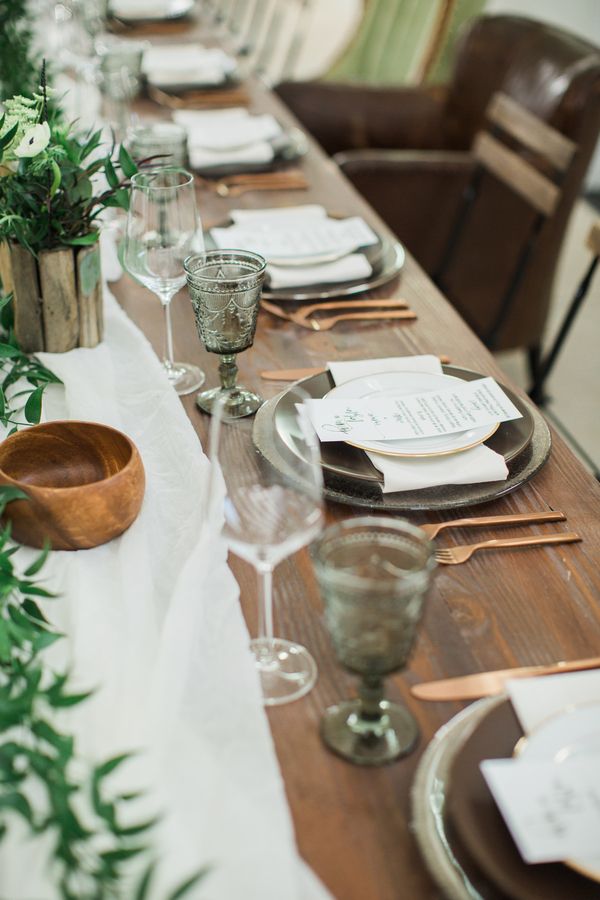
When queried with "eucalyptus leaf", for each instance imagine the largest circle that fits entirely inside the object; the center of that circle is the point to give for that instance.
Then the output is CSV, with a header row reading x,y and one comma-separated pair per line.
x,y
33,407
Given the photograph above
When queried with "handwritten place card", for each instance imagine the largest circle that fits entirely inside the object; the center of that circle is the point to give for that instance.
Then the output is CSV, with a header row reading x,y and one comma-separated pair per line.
x,y
471,404
551,809
302,236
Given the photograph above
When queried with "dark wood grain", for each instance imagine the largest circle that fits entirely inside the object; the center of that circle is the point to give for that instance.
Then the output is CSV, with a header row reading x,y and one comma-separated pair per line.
x,y
85,484
518,608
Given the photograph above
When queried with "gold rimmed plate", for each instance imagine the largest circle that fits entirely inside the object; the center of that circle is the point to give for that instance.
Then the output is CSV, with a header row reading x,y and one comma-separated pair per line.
x,y
398,384
352,479
570,734
476,831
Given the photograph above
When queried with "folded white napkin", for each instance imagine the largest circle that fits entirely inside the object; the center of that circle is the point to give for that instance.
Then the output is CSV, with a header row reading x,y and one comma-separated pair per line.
x,y
479,464
296,232
537,699
349,268
226,130
254,154
275,215
170,65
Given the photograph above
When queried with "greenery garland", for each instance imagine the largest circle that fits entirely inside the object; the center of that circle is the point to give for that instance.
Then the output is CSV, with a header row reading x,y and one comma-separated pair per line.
x,y
91,844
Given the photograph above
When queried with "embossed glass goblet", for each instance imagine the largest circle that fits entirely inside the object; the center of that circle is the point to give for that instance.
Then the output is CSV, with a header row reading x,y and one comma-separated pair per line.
x,y
374,574
225,287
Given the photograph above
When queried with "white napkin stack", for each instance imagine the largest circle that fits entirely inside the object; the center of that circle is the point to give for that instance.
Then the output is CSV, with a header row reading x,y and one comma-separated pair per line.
x,y
186,65
289,228
479,464
228,136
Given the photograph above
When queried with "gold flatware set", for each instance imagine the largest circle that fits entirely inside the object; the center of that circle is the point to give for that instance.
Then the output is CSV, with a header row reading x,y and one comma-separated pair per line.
x,y
453,556
368,310
236,185
200,99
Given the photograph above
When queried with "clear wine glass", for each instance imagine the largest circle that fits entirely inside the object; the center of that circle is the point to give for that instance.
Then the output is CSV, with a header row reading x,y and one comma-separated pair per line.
x,y
268,517
163,228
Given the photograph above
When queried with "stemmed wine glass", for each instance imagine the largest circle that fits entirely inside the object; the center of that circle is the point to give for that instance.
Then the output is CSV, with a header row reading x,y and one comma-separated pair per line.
x,y
374,574
269,516
163,228
225,288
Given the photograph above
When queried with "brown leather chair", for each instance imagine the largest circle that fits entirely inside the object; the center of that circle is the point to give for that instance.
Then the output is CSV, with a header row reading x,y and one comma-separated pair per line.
x,y
407,151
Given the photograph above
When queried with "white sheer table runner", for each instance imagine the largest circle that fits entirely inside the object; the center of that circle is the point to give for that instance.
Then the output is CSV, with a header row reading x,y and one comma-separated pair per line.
x,y
153,623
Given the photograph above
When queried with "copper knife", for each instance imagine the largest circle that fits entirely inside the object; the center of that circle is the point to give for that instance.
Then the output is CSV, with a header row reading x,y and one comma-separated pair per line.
x,y
488,684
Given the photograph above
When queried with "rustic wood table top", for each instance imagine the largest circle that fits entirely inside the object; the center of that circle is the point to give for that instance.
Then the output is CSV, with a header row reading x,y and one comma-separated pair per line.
x,y
519,607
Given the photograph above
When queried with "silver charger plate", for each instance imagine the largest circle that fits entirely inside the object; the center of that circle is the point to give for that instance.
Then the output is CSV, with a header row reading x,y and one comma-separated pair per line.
x,y
351,479
288,146
428,799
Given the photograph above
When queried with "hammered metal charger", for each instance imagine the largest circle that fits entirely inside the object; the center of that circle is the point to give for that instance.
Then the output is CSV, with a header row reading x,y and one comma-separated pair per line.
x,y
351,479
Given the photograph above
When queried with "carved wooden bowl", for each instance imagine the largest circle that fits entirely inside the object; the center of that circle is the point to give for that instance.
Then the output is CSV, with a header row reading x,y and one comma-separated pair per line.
x,y
85,482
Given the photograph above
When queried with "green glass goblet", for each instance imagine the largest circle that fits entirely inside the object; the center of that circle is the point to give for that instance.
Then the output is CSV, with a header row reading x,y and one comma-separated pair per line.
x,y
225,288
374,574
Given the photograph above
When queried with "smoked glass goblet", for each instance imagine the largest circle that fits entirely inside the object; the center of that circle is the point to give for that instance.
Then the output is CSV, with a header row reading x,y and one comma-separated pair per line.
x,y
374,574
225,288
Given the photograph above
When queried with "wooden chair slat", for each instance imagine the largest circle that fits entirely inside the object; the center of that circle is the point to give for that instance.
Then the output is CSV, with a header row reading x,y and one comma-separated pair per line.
x,y
530,131
516,173
593,239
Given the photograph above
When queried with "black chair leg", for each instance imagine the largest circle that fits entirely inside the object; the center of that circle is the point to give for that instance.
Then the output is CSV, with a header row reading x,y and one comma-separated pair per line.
x,y
534,358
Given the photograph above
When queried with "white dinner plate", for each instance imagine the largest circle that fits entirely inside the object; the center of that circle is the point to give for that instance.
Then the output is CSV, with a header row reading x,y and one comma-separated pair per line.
x,y
398,384
564,737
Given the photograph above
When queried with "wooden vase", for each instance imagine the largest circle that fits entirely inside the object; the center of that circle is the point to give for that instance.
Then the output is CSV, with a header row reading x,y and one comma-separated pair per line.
x,y
57,297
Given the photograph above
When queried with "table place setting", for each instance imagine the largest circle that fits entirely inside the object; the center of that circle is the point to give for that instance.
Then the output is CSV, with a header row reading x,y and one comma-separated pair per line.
x,y
480,461
518,787
310,254
231,140
174,67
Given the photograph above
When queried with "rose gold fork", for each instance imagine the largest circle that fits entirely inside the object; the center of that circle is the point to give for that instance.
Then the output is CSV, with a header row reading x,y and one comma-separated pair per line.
x,y
434,529
327,323
453,556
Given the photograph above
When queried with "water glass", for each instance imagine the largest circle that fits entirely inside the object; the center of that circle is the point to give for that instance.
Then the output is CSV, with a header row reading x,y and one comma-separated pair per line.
x,y
163,228
374,574
163,142
120,79
225,288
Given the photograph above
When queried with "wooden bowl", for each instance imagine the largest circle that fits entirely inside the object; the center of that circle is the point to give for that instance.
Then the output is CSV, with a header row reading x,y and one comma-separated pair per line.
x,y
85,482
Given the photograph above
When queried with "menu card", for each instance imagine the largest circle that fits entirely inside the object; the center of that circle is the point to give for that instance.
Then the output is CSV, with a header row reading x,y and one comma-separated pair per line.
x,y
472,404
290,237
552,809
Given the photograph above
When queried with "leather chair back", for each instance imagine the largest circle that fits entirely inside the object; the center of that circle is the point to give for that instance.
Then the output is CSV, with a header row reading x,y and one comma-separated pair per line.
x,y
557,77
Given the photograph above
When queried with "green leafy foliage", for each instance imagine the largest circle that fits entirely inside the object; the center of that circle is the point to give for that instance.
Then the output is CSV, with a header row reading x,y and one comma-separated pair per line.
x,y
18,70
50,199
23,379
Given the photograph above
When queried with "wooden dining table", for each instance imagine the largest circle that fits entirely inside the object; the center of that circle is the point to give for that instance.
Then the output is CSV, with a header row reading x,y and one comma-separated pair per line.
x,y
501,609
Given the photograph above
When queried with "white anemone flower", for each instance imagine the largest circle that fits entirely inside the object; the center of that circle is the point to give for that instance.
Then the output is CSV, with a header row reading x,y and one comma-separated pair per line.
x,y
34,141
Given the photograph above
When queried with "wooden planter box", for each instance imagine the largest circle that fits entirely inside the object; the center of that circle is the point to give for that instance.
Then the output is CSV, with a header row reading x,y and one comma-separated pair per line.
x,y
57,297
